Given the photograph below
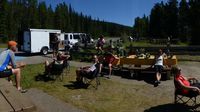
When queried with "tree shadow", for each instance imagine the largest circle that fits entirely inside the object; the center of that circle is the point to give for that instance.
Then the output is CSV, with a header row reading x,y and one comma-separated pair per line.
x,y
76,85
171,108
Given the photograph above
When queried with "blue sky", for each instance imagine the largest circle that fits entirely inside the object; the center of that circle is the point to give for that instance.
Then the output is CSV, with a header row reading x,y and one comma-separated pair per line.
x,y
117,11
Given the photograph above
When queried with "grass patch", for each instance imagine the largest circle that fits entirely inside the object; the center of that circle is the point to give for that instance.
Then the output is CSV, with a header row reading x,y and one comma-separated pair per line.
x,y
188,58
3,45
111,96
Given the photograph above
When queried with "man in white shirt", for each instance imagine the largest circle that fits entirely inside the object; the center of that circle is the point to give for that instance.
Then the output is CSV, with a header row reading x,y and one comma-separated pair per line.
x,y
87,70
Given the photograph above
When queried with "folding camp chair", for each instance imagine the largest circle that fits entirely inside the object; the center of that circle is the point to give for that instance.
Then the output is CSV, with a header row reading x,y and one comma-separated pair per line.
x,y
180,97
56,72
67,65
89,78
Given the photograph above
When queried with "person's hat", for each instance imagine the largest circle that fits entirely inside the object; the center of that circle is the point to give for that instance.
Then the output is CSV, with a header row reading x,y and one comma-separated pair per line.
x,y
12,44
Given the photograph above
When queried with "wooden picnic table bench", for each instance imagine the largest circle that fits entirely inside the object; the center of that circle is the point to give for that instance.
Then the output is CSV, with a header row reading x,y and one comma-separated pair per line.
x,y
134,60
11,100
136,71
137,65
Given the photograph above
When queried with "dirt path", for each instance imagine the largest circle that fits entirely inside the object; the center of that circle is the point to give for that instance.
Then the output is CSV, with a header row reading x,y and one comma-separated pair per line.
x,y
47,103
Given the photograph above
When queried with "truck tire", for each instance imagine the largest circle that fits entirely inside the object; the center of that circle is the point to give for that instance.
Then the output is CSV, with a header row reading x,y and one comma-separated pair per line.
x,y
44,51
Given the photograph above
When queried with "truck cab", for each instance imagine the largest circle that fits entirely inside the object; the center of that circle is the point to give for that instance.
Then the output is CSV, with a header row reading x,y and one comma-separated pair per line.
x,y
72,38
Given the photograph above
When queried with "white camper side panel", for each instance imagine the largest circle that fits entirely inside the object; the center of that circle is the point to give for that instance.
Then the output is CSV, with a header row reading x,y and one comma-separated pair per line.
x,y
39,40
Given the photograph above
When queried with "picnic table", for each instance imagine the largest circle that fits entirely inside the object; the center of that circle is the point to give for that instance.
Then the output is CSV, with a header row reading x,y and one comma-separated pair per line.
x,y
11,100
137,65
134,60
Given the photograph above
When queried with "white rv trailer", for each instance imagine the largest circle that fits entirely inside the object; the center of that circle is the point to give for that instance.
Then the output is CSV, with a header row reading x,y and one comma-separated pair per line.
x,y
39,40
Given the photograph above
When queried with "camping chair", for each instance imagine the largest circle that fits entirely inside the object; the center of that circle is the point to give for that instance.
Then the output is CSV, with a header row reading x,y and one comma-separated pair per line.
x,y
184,98
57,71
89,78
67,65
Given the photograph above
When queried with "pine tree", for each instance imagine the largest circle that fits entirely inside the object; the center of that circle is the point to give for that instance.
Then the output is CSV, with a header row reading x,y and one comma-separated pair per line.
x,y
157,21
141,26
42,15
195,21
50,18
183,21
171,17
3,17
17,16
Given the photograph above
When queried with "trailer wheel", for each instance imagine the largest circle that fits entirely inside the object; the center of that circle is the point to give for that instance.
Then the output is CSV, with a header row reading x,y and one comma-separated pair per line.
x,y
44,51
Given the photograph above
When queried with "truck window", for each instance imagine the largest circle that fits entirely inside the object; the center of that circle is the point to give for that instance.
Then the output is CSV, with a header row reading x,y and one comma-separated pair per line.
x,y
76,37
70,36
66,37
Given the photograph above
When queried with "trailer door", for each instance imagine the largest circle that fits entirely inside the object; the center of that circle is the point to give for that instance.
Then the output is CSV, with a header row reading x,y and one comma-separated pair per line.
x,y
39,40
27,41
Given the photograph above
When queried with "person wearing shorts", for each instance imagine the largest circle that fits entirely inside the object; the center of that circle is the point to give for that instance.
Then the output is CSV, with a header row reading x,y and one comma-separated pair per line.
x,y
55,45
158,66
109,58
8,65
100,44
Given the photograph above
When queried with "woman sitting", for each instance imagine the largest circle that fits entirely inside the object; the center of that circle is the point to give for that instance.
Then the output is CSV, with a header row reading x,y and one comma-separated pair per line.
x,y
60,59
185,84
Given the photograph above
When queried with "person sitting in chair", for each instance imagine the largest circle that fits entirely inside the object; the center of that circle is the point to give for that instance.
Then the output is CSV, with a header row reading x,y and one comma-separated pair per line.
x,y
186,85
60,59
109,58
87,70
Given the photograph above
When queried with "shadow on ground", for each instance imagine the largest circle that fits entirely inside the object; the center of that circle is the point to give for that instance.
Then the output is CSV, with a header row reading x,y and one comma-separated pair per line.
x,y
26,54
149,78
76,85
43,77
172,108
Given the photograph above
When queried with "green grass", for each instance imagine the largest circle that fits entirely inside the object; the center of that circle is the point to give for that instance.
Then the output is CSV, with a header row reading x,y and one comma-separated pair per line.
x,y
3,45
140,44
147,44
111,96
188,57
